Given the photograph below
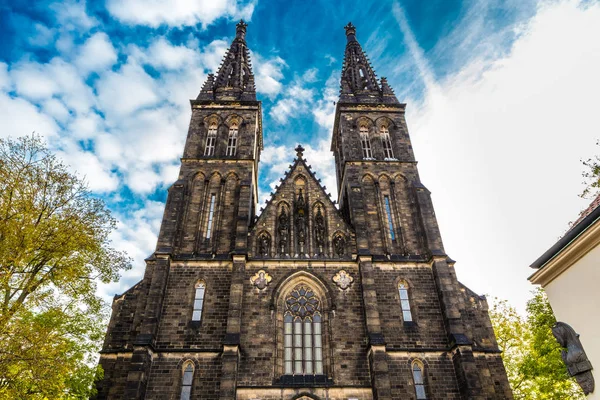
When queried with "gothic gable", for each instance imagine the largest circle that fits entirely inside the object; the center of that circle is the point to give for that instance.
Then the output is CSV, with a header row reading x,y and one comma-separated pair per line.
x,y
300,220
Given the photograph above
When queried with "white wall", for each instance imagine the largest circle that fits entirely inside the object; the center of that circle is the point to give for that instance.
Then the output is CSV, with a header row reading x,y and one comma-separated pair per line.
x,y
575,299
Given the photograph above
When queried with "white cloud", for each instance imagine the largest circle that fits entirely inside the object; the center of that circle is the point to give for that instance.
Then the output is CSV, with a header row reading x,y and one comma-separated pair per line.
x,y
178,12
296,99
122,92
499,146
19,117
268,74
33,82
71,15
163,54
5,82
213,53
324,111
96,54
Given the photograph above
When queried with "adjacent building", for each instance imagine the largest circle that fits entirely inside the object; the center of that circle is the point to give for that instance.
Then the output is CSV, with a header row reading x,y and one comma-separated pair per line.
x,y
306,298
569,272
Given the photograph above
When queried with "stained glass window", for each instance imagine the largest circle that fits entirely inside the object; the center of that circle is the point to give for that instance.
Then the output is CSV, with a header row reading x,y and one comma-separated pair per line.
x,y
365,142
198,301
388,211
387,143
211,214
404,301
211,140
419,382
302,334
232,141
188,379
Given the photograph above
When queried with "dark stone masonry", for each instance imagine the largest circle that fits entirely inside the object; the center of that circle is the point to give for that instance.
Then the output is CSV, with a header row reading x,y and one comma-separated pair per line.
x,y
307,300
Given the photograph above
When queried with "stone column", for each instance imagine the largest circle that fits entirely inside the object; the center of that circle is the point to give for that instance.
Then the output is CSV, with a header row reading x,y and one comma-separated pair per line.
x,y
231,343
377,354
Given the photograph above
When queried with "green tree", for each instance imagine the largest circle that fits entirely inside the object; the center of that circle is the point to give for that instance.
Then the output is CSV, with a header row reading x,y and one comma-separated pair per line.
x,y
591,176
530,352
54,248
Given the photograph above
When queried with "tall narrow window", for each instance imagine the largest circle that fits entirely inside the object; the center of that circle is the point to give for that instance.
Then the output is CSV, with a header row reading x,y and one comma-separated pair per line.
x,y
366,144
211,139
186,384
211,214
387,143
419,382
198,301
302,338
388,211
404,301
232,141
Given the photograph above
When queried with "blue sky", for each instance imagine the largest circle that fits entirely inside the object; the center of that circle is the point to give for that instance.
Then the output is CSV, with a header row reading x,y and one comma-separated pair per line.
x,y
500,100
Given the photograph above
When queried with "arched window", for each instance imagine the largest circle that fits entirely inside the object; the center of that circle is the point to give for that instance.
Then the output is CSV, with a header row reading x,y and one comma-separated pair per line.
x,y
417,371
404,301
387,143
211,216
365,142
302,333
388,212
186,382
211,140
198,301
232,141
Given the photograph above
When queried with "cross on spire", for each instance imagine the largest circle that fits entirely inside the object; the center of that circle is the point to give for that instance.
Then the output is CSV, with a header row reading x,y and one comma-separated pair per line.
x,y
299,151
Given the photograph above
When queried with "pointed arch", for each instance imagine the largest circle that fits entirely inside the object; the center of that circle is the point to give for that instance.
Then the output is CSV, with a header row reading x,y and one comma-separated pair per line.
x,y
417,368
196,186
263,244
187,379
302,302
320,228
283,229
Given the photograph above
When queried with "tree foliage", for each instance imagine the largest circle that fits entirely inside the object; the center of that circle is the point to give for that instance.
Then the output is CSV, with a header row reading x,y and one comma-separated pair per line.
x,y
54,248
530,352
591,176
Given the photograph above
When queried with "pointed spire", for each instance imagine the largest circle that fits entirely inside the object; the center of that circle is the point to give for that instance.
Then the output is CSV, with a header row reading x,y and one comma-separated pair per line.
x,y
234,79
359,82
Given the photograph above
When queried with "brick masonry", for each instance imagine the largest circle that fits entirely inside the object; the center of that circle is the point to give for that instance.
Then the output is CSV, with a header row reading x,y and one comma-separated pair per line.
x,y
300,239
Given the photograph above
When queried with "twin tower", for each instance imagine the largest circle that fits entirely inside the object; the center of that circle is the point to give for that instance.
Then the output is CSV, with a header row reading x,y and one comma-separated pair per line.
x,y
305,300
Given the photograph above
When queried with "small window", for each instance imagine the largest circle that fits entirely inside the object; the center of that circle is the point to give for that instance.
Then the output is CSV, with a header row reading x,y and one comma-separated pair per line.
x,y
232,141
186,384
404,302
387,143
211,139
198,301
211,214
388,211
417,371
365,142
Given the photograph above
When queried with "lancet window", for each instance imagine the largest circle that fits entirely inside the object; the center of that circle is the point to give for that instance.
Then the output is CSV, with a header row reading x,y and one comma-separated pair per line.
x,y
198,301
404,301
388,212
365,143
187,381
232,140
417,371
302,333
211,140
211,216
388,152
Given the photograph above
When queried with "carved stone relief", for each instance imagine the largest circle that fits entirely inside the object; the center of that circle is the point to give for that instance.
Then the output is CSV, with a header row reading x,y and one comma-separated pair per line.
x,y
343,279
261,279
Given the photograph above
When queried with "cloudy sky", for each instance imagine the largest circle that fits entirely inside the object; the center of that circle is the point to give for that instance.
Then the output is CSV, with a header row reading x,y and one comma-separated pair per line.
x,y
501,108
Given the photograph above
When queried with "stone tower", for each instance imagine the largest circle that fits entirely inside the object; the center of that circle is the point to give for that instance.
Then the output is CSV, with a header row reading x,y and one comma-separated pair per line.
x,y
305,300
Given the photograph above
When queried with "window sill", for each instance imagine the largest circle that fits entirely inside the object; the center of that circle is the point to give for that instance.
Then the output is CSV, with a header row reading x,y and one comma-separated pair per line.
x,y
410,324
195,324
303,380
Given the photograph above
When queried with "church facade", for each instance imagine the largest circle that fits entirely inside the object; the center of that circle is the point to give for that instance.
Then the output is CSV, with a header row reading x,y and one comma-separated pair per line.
x,y
307,299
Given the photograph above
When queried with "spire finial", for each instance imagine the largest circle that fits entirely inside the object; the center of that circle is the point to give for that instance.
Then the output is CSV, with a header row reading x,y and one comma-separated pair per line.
x,y
299,151
240,29
350,32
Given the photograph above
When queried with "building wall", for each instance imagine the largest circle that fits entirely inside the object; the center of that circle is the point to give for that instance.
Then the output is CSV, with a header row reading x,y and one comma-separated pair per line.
x,y
575,300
